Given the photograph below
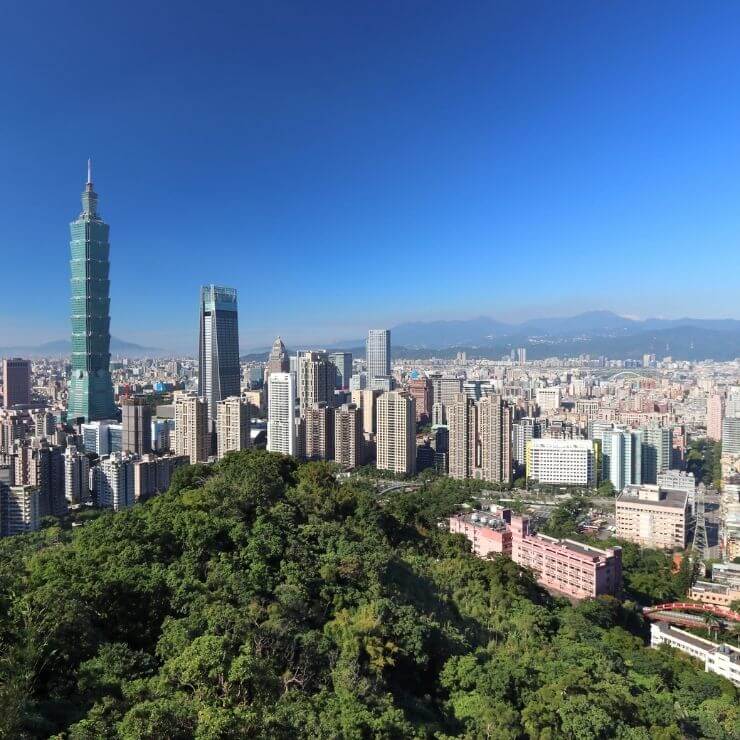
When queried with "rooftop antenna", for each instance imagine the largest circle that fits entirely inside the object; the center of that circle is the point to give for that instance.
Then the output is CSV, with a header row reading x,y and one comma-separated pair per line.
x,y
89,171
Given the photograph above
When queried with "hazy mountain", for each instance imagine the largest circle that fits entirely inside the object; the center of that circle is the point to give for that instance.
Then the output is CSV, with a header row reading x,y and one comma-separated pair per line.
x,y
63,347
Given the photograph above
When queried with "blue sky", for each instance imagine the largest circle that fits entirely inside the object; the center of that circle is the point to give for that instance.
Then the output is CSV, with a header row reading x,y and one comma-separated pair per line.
x,y
347,165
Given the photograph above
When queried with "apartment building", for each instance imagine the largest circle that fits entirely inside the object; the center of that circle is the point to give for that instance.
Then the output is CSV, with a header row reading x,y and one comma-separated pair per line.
x,y
654,517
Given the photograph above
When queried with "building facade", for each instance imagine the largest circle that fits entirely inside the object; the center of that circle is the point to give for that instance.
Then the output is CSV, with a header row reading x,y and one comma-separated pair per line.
x,y
232,425
396,438
348,436
218,357
342,361
318,432
281,429
113,479
90,387
564,462
192,428
136,426
653,517
16,382
316,379
378,353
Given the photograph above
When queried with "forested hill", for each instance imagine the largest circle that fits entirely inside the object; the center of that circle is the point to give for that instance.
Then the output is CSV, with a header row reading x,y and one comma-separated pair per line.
x,y
259,599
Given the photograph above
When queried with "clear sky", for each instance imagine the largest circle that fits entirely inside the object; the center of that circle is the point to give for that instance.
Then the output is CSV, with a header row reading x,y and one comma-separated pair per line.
x,y
355,164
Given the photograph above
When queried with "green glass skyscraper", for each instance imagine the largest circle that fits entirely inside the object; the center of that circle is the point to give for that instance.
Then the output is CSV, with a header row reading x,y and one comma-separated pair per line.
x,y
90,389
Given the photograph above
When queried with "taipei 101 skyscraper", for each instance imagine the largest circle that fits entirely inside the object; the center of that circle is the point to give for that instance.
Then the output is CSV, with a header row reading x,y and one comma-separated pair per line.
x,y
90,388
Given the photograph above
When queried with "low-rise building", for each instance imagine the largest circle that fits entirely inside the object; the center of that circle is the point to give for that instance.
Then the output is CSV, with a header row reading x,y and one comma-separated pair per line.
x,y
723,660
653,517
488,533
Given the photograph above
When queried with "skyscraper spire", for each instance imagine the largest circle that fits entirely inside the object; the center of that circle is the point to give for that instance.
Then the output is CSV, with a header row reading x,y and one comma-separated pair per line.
x,y
89,196
89,171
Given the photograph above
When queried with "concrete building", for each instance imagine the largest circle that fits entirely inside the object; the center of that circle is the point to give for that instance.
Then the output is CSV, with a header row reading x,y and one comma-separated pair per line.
x,y
724,660
153,475
44,424
548,399
136,426
522,432
278,361
488,533
102,437
348,436
621,457
564,462
656,453
367,400
163,434
378,353
396,438
76,476
218,356
420,389
232,425
731,435
568,567
319,432
652,517
16,382
19,510
281,429
316,379
342,361
113,481
480,439
715,413
192,428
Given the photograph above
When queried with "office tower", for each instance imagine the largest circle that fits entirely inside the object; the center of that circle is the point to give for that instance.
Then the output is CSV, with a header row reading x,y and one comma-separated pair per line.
x,y
218,358
494,434
343,363
732,405
564,462
113,479
715,410
76,476
731,435
19,510
439,415
656,453
278,361
318,432
136,426
152,475
461,423
622,457
16,382
233,423
420,389
90,387
316,379
522,355
192,433
548,399
378,352
281,429
396,439
348,436
358,382
97,437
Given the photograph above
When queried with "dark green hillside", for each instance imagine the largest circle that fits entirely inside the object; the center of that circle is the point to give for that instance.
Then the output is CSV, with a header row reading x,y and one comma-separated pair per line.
x,y
259,599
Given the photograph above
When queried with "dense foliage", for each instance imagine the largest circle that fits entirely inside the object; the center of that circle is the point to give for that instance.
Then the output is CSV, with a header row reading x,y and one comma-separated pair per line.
x,y
258,599
704,460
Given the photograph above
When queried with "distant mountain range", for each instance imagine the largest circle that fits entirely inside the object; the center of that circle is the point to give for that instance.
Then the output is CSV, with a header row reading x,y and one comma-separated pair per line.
x,y
64,347
594,332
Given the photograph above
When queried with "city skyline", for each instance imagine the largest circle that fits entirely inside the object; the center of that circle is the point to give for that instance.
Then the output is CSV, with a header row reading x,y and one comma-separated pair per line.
x,y
543,169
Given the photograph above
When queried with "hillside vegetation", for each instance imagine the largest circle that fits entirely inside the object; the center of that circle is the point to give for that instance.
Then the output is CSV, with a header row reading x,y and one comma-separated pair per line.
x,y
261,599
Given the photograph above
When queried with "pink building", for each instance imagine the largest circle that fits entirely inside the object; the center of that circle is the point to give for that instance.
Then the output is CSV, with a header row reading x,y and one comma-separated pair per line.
x,y
488,533
715,409
568,567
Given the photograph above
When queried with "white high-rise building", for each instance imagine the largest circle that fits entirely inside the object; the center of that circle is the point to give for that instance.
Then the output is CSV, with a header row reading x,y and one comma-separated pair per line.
x,y
20,509
114,481
378,352
565,462
548,399
76,476
281,430
396,440
232,425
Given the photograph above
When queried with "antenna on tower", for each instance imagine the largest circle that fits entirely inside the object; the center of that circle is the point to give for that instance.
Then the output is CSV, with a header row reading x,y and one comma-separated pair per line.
x,y
89,171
